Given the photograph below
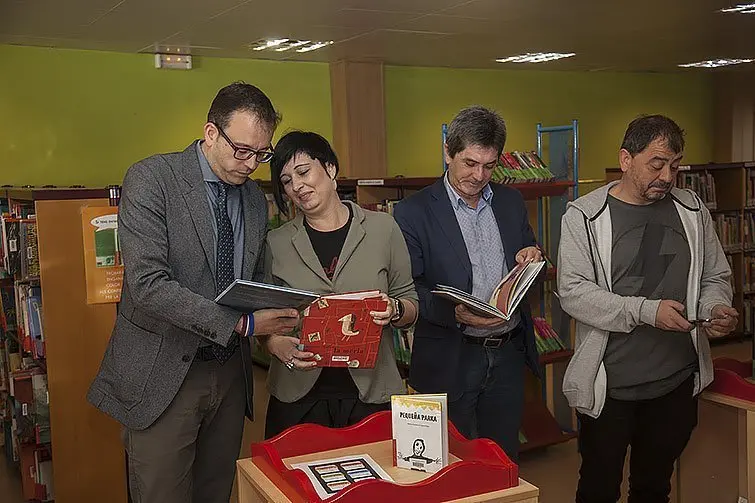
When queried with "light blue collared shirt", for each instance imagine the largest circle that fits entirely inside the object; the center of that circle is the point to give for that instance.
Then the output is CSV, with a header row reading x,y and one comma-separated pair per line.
x,y
482,237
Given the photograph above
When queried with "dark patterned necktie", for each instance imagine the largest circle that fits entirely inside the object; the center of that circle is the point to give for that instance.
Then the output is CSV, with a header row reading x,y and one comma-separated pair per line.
x,y
224,263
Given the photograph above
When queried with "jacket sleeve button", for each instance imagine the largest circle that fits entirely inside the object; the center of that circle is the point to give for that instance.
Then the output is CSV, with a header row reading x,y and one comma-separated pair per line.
x,y
186,358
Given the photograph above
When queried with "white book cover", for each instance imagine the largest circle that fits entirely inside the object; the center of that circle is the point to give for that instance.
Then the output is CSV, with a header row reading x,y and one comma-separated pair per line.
x,y
420,431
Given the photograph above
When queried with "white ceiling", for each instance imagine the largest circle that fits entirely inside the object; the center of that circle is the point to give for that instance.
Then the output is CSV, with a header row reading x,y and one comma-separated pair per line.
x,y
643,35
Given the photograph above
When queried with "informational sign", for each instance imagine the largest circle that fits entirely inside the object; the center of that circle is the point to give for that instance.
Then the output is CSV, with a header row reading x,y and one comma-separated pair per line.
x,y
102,255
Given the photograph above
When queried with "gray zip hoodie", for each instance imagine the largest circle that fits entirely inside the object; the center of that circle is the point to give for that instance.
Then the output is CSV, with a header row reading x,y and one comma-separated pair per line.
x,y
585,290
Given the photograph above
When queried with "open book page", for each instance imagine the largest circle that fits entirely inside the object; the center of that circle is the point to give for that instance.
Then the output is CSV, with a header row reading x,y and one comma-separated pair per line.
x,y
354,295
512,290
477,306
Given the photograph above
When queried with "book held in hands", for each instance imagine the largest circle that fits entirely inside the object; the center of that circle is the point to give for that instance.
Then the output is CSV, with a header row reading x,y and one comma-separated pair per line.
x,y
340,331
506,296
420,431
337,328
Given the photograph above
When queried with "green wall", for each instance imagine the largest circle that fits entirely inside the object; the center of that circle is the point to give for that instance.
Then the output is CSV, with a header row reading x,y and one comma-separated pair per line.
x,y
83,117
419,100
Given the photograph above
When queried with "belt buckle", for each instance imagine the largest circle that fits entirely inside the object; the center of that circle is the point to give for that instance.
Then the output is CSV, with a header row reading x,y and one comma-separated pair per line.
x,y
492,342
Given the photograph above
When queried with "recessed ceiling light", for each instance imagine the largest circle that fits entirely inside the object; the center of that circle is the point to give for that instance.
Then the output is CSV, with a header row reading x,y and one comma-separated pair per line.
x,y
536,57
314,46
742,8
715,63
285,44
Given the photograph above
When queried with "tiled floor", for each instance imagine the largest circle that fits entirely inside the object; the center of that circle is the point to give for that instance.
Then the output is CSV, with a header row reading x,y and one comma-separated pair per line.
x,y
553,470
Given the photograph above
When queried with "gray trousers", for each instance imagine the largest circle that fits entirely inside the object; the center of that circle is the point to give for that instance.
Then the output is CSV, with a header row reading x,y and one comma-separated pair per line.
x,y
189,454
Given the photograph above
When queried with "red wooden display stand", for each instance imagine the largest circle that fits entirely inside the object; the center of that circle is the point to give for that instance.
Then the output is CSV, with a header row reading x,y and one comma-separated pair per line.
x,y
483,466
731,379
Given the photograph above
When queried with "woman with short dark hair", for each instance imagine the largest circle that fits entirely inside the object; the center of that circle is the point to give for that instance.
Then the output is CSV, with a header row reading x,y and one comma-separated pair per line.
x,y
331,246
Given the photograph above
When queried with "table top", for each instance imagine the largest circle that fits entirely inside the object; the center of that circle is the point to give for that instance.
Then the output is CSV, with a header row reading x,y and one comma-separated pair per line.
x,y
728,400
382,453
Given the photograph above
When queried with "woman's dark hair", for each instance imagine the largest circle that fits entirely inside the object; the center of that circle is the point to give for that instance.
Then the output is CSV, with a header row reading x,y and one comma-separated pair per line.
x,y
298,142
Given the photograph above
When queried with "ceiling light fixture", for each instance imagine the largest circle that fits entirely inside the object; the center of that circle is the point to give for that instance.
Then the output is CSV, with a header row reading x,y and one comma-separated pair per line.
x,y
268,44
536,57
715,63
742,8
314,46
285,44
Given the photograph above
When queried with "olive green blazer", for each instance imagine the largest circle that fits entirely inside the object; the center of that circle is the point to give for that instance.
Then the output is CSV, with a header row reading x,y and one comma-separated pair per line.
x,y
374,257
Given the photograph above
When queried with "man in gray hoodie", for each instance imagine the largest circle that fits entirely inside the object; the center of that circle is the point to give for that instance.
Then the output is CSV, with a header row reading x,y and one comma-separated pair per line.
x,y
639,269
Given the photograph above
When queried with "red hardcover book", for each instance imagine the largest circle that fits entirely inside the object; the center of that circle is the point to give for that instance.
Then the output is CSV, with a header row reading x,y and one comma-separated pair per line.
x,y
340,332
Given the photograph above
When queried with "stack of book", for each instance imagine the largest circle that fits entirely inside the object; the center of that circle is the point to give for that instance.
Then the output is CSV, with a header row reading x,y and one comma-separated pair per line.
x,y
521,167
702,183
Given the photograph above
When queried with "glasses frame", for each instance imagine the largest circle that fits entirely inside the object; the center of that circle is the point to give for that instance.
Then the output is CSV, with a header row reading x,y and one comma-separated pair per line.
x,y
262,156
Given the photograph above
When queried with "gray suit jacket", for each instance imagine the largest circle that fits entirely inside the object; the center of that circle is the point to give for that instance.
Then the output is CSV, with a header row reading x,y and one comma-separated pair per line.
x,y
374,257
167,305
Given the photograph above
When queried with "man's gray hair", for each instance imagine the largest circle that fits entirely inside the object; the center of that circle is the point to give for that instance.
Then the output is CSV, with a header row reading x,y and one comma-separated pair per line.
x,y
476,125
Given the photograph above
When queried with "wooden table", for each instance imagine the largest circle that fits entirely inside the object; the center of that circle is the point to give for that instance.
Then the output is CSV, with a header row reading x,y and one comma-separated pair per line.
x,y
718,465
254,486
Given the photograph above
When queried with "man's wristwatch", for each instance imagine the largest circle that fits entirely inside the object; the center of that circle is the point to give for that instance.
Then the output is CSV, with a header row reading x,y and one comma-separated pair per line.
x,y
398,310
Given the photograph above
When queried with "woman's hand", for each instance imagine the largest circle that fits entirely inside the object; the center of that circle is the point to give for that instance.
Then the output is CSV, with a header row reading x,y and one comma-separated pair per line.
x,y
286,349
382,318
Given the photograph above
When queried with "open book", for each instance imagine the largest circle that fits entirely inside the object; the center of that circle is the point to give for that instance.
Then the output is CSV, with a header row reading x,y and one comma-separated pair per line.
x,y
337,328
249,296
506,296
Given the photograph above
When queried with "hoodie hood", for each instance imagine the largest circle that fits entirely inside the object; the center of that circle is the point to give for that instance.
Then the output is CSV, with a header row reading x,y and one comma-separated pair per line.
x,y
593,204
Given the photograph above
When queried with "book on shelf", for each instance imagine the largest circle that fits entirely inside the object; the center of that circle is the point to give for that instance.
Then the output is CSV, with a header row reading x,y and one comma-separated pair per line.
x,y
403,340
748,230
521,167
749,274
728,230
747,308
702,183
506,296
750,188
337,328
420,432
546,339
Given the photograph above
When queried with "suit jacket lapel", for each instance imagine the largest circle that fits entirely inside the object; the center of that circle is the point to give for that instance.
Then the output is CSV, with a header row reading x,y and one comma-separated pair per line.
x,y
444,214
252,233
303,247
353,238
195,197
501,217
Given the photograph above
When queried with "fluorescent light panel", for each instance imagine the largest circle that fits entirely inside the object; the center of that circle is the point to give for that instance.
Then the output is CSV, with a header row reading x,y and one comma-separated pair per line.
x,y
287,44
742,8
536,57
715,63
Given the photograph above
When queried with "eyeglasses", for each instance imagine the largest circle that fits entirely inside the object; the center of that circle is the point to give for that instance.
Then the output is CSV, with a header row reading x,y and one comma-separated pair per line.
x,y
245,153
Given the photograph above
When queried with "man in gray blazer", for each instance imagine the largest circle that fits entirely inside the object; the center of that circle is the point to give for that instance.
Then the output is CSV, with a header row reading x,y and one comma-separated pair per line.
x,y
177,369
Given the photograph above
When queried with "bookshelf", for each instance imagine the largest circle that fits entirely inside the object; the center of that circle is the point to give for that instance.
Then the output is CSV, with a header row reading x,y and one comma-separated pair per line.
x,y
75,449
728,191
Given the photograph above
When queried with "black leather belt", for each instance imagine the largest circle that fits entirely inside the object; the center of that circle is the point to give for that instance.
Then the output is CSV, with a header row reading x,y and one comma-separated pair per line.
x,y
493,341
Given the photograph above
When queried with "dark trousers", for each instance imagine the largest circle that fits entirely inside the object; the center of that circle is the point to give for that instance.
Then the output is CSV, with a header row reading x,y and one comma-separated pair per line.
x,y
189,454
330,412
658,431
492,400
